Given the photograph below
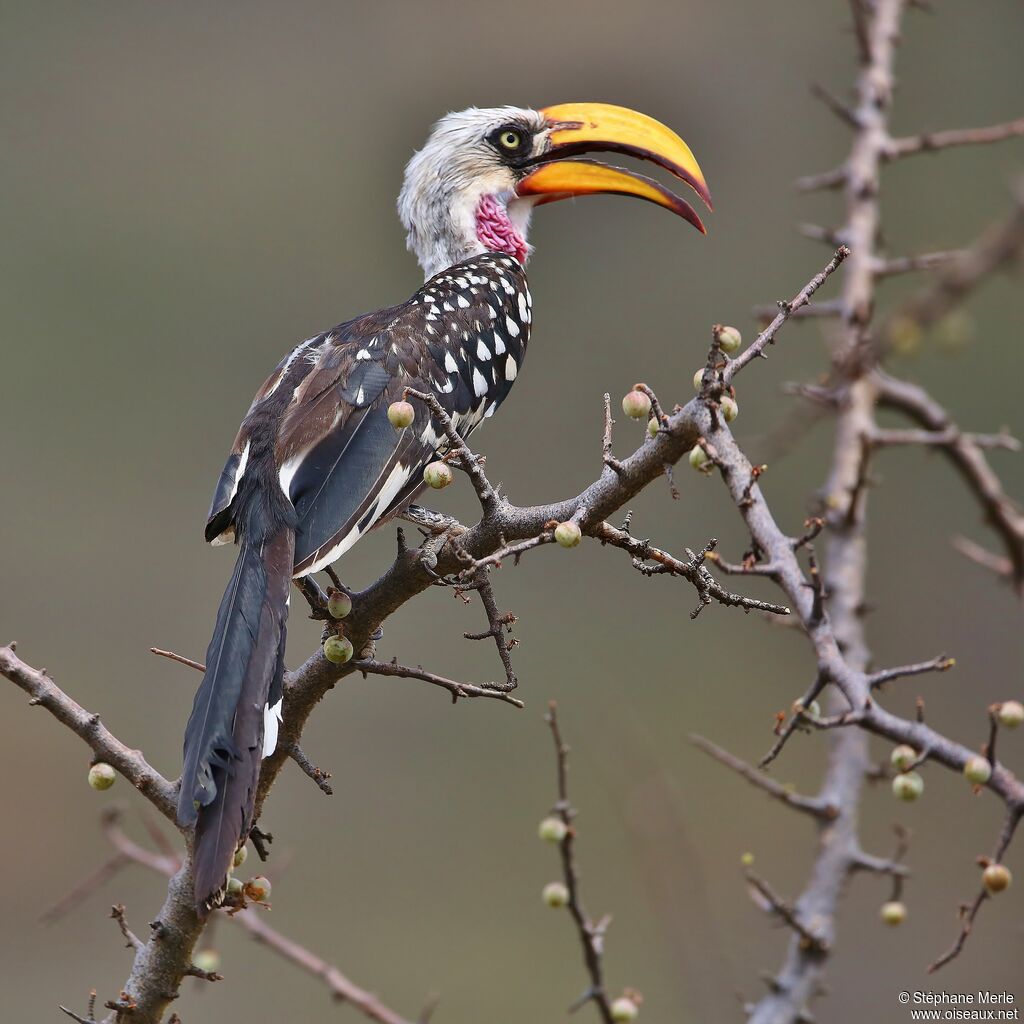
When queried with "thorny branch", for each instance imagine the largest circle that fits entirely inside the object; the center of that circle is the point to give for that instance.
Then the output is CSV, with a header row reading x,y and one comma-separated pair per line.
x,y
838,636
166,864
591,933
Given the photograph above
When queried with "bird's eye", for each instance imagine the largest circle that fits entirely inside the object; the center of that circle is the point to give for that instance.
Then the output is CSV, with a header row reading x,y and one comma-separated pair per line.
x,y
510,140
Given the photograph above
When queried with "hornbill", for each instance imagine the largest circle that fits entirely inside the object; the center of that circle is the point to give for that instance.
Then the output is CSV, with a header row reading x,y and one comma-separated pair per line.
x,y
316,462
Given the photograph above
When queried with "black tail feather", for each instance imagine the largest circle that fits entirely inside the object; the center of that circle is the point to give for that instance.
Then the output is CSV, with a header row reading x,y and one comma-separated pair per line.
x,y
224,736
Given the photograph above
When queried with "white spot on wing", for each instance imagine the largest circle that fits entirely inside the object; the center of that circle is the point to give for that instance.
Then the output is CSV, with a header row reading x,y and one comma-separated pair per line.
x,y
240,472
479,384
511,369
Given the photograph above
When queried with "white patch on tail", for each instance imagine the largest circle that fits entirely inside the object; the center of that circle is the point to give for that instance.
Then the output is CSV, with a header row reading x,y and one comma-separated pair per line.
x,y
271,721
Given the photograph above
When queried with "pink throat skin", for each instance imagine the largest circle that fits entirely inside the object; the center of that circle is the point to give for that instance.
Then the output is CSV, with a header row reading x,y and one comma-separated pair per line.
x,y
496,231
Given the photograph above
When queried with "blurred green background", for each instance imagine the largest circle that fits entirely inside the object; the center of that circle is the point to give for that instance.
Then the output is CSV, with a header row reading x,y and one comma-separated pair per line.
x,y
188,189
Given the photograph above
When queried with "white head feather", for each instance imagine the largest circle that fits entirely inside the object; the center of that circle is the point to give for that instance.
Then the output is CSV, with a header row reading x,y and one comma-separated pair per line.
x,y
447,178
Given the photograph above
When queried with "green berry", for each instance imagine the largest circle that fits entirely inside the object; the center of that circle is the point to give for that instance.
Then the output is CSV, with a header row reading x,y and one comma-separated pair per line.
x,y
339,604
235,887
698,457
730,410
552,830
101,776
908,787
698,379
337,649
955,331
902,757
555,894
258,889
996,878
239,858
636,404
568,534
401,415
653,426
438,475
747,860
977,770
729,339
624,1010
1011,713
905,335
894,913
207,960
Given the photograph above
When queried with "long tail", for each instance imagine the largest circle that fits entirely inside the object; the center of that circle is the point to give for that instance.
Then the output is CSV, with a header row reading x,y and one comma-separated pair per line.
x,y
224,738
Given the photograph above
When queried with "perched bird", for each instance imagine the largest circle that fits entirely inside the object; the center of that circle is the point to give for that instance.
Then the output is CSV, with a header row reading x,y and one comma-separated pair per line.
x,y
316,462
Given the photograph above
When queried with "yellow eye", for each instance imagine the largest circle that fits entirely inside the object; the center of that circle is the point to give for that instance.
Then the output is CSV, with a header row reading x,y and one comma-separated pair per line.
x,y
510,140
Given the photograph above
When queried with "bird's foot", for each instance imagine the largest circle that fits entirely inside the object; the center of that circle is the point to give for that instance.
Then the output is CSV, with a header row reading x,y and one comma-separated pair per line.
x,y
428,518
315,597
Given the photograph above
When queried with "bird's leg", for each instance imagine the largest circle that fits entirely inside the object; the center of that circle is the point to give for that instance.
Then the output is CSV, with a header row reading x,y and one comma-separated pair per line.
x,y
315,597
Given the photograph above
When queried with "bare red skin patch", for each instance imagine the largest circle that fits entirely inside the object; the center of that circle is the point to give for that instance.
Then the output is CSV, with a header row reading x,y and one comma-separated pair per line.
x,y
496,231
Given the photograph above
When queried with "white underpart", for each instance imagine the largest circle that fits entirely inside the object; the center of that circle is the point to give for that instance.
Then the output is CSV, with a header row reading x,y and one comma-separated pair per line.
x,y
271,721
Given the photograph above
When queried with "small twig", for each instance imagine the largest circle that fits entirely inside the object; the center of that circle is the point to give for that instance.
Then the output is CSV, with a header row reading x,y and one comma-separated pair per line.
x,y
892,265
786,729
181,659
842,110
828,236
131,939
981,556
969,461
90,1013
499,691
606,442
776,905
318,775
929,142
498,624
591,934
692,570
786,310
817,311
806,804
939,664
883,438
834,178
